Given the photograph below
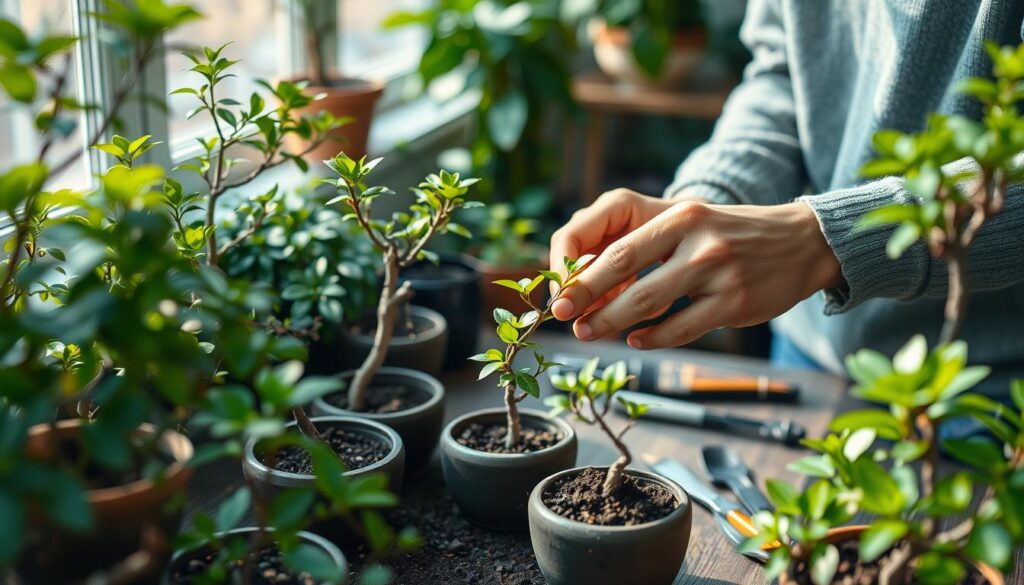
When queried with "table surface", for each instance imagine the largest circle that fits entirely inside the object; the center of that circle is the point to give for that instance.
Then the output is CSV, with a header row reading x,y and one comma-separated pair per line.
x,y
595,91
711,558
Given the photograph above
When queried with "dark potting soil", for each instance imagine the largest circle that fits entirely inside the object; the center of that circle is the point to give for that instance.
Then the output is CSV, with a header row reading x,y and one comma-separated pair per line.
x,y
384,399
490,438
578,497
269,569
851,572
453,551
355,450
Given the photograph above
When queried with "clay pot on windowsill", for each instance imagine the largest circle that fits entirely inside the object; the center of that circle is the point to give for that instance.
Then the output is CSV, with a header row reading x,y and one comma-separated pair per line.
x,y
342,97
123,516
492,489
571,552
613,50
847,533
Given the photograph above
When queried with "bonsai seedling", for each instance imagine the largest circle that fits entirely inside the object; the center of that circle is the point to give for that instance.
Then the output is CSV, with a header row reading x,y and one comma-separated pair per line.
x,y
402,242
923,525
589,398
515,331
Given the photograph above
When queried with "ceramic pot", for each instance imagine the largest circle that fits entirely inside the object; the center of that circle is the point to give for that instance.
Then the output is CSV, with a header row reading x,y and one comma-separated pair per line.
x,y
269,480
846,533
424,352
451,288
343,97
492,489
570,552
306,537
613,50
121,514
494,296
419,426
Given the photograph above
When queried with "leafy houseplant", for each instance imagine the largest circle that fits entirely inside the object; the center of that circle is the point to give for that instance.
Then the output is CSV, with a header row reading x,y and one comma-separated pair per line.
x,y
490,461
924,527
508,253
401,242
648,41
481,45
345,98
588,524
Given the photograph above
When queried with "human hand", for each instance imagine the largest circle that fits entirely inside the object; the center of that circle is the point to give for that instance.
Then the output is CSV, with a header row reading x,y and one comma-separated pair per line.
x,y
740,265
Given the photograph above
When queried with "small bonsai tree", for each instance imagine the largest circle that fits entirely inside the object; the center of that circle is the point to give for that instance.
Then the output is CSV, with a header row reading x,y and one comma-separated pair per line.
x,y
515,331
589,399
402,241
923,522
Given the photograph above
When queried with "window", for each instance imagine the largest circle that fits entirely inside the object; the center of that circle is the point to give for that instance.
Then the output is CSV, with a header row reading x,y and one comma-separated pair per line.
x,y
367,50
19,141
251,26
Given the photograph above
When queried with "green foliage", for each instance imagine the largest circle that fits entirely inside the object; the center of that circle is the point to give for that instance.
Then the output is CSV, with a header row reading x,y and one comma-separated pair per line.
x,y
507,239
651,24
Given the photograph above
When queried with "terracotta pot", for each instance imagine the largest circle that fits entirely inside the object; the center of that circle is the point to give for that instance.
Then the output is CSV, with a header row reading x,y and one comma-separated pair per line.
x,y
492,489
846,533
343,97
122,514
419,426
494,296
570,552
614,54
332,551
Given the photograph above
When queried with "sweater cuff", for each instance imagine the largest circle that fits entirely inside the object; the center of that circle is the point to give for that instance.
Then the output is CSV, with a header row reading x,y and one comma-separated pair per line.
x,y
868,271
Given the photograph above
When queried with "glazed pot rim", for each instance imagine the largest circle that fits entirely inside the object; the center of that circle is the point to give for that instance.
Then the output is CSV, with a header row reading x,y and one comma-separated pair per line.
x,y
439,325
551,516
427,382
568,434
176,445
471,275
336,554
396,447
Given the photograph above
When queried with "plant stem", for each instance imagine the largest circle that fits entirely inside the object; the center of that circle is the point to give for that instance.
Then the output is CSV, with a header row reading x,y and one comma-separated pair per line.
x,y
514,426
306,426
956,299
613,479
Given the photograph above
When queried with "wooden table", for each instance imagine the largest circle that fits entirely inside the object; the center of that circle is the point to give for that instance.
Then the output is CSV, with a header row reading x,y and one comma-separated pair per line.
x,y
600,97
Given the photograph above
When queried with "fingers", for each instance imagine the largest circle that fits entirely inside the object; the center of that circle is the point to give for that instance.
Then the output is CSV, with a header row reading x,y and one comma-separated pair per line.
x,y
646,297
700,317
620,261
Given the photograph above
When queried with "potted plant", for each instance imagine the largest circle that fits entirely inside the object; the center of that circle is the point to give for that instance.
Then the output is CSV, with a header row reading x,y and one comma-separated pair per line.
x,y
508,253
614,523
648,42
347,99
923,526
493,458
409,401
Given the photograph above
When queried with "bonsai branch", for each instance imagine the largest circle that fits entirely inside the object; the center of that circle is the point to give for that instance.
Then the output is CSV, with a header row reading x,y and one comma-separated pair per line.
x,y
613,479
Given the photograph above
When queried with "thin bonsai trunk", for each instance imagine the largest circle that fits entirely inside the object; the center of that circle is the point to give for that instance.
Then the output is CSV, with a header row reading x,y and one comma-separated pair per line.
x,y
514,424
956,299
613,479
306,426
317,74
391,298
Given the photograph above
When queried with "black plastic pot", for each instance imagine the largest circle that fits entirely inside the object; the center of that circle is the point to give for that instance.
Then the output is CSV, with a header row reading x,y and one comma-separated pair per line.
x,y
269,480
339,350
306,537
419,426
492,489
571,552
451,288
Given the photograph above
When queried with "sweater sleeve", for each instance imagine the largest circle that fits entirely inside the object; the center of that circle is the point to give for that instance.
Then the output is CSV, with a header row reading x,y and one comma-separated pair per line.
x,y
754,153
994,260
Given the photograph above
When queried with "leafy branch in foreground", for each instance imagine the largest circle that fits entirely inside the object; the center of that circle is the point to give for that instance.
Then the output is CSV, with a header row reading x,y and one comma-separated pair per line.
x,y
401,240
589,398
515,331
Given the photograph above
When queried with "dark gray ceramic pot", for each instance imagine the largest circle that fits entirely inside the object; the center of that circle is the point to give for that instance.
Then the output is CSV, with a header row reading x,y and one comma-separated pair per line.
x,y
452,288
571,552
306,537
424,353
419,426
492,489
269,481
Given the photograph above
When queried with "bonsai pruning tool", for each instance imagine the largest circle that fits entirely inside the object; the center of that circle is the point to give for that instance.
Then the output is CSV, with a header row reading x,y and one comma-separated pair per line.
x,y
736,525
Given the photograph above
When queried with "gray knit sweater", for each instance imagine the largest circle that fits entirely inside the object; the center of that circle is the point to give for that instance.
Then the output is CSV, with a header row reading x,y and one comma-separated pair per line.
x,y
825,75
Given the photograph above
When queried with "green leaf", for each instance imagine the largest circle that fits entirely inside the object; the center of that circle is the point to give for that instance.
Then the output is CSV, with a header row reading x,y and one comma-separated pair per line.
x,y
814,466
508,333
911,356
817,498
509,284
527,383
885,424
231,512
502,315
313,560
19,83
965,380
824,562
290,508
991,543
650,48
881,494
488,356
953,494
506,119
978,451
489,369
902,238
936,569
858,443
879,538
783,496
